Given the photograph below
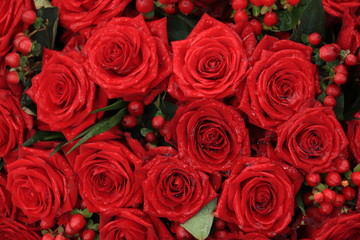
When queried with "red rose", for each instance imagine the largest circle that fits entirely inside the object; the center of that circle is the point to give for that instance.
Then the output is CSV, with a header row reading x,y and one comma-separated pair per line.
x,y
174,190
209,63
5,199
10,22
11,230
259,196
106,173
338,7
14,123
349,35
64,95
211,133
353,134
128,58
42,187
311,140
282,77
75,15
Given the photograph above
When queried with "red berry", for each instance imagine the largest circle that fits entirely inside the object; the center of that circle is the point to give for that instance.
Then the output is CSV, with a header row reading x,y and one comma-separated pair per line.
x,y
293,2
306,200
319,197
12,77
149,146
60,237
241,15
340,78
355,178
314,38
181,233
256,2
136,108
88,234
349,193
329,195
164,1
326,208
256,26
69,230
341,69
47,224
77,222
313,179
170,9
329,52
350,60
150,137
219,224
271,19
220,234
267,3
342,165
144,6
165,130
333,179
186,6
24,46
333,90
158,122
339,200
330,101
129,121
239,4
28,17
48,236
12,60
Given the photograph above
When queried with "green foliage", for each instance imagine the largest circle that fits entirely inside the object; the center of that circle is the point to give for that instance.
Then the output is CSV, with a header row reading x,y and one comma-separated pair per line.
x,y
289,18
44,136
179,26
46,36
300,203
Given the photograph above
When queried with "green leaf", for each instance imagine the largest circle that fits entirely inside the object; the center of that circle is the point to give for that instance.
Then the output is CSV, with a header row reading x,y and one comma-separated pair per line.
x,y
300,203
95,227
199,225
339,108
255,11
144,131
42,3
85,212
357,168
289,19
115,106
50,16
37,23
44,136
348,174
43,232
321,187
149,15
75,211
168,109
179,26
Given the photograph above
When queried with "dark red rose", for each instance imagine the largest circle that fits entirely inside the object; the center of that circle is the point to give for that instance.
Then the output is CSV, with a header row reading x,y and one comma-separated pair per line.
x,y
209,63
349,35
64,94
338,7
12,230
10,22
76,15
5,199
106,176
14,123
311,140
353,134
282,77
173,189
42,187
128,58
259,196
211,133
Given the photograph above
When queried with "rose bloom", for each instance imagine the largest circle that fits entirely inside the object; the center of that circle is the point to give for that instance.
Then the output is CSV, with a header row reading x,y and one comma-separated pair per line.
x,y
338,7
42,187
349,35
14,123
209,63
211,133
173,189
129,58
65,102
353,134
12,230
5,198
281,79
106,176
311,139
259,196
11,23
76,15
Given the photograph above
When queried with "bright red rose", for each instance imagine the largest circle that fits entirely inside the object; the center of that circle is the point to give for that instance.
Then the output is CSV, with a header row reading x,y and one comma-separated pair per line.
x,y
311,140
106,176
5,199
282,77
10,22
42,187
209,63
338,7
76,15
64,94
353,134
173,189
211,133
349,35
128,58
14,123
259,196
12,230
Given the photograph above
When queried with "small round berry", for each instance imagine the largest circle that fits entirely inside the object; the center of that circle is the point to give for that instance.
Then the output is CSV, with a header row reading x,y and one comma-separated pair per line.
x,y
333,179
129,121
61,237
341,69
293,2
12,60
150,137
340,78
12,77
77,222
181,233
256,2
47,224
48,236
329,195
220,224
267,3
256,26
136,108
241,16
158,122
186,6
88,234
307,201
349,193
326,208
271,19
329,52
342,165
24,46
355,178
28,17
313,179
314,38
221,234
339,200
239,4
170,9
330,101
144,6
165,130
333,90
319,197
351,60
69,230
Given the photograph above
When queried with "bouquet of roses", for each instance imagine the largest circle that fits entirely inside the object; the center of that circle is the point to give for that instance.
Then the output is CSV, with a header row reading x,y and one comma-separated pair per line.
x,y
179,119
